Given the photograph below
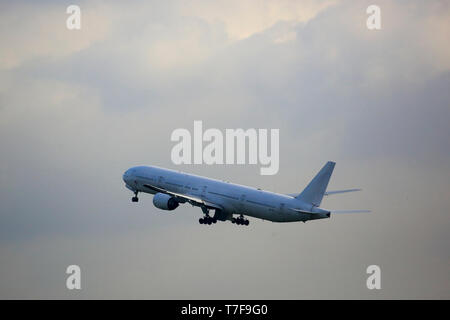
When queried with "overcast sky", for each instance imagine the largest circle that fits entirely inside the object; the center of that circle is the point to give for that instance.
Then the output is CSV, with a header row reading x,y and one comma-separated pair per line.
x,y
79,107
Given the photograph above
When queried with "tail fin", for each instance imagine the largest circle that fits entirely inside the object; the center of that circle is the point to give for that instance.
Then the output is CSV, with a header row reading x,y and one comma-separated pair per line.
x,y
315,190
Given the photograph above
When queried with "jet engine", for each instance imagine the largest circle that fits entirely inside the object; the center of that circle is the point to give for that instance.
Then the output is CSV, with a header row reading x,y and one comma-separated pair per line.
x,y
165,202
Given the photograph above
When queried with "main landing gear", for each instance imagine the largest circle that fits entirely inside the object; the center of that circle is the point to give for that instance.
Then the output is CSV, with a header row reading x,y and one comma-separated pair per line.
x,y
206,219
135,198
240,221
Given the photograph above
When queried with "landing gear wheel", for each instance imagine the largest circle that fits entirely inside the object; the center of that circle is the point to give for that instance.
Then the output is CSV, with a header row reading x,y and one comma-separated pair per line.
x,y
135,198
240,221
207,220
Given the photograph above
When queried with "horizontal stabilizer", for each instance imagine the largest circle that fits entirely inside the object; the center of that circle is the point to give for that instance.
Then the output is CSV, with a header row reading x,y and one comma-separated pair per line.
x,y
328,193
350,211
315,210
302,211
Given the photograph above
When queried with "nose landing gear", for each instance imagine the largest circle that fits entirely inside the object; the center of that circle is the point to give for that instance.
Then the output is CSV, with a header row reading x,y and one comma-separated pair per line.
x,y
135,198
240,221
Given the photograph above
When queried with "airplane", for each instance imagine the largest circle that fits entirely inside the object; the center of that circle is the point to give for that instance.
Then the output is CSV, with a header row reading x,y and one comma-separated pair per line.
x,y
171,188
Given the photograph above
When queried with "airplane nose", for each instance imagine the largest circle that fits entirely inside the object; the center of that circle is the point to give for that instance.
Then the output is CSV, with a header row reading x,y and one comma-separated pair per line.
x,y
126,176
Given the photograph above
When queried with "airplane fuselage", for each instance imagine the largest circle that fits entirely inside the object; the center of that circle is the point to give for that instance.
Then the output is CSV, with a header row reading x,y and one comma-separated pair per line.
x,y
232,199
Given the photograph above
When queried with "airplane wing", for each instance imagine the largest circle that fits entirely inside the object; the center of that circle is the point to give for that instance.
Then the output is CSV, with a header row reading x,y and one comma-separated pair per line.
x,y
197,201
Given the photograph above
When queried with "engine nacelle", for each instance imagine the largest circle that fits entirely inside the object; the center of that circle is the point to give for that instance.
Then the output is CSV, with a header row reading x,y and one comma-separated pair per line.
x,y
165,202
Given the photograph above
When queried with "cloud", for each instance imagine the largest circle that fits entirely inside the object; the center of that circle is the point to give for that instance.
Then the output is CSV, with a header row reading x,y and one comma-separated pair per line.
x,y
242,19
30,32
77,109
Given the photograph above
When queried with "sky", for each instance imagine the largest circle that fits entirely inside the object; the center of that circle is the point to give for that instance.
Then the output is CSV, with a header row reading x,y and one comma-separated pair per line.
x,y
79,107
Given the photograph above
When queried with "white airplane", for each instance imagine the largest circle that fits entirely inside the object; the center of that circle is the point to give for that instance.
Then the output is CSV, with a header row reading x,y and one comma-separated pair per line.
x,y
170,188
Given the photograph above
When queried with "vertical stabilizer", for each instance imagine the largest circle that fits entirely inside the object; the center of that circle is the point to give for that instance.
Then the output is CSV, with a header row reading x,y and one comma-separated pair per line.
x,y
314,191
